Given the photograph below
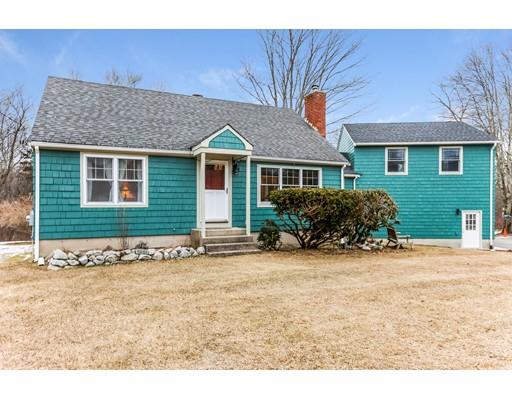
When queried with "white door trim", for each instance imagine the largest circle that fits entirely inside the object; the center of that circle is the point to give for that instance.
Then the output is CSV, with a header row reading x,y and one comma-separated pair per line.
x,y
478,225
228,180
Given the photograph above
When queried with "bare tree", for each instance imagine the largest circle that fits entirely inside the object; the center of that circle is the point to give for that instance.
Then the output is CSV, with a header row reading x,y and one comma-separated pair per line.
x,y
297,59
14,149
480,93
130,79
74,74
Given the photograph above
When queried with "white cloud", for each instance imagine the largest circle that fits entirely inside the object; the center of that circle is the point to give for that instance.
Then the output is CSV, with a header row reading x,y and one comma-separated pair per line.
x,y
9,49
219,79
401,117
59,58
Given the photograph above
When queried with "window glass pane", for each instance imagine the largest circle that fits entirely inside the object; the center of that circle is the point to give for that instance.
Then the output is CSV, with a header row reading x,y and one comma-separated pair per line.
x,y
396,166
130,191
215,177
291,177
396,154
130,169
99,168
99,191
310,178
265,191
450,161
451,154
269,182
450,166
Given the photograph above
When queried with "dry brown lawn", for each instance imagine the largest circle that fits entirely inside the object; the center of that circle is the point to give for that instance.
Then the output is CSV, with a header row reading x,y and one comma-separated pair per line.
x,y
429,308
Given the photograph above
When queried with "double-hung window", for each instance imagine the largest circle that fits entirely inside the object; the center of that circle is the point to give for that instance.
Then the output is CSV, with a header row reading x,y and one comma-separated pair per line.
x,y
109,180
450,160
396,161
272,178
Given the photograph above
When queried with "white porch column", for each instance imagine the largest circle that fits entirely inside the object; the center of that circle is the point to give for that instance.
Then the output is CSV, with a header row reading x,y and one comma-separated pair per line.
x,y
248,195
202,172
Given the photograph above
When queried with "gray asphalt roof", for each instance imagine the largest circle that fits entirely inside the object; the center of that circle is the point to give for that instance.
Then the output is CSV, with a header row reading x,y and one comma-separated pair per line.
x,y
77,112
405,132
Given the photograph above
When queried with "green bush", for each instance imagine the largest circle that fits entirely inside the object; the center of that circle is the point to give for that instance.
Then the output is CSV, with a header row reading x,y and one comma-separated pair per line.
x,y
269,237
325,216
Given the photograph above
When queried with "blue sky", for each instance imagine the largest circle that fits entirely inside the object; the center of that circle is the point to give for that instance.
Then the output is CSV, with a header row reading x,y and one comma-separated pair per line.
x,y
403,65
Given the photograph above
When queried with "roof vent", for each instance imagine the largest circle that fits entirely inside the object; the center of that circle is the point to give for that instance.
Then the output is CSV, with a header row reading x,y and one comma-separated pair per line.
x,y
197,95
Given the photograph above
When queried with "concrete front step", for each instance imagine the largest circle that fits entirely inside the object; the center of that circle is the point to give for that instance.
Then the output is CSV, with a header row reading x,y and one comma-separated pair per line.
x,y
225,232
233,252
212,248
227,239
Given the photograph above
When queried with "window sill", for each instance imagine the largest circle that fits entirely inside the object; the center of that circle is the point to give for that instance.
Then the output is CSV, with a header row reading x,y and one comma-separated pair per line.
x,y
110,205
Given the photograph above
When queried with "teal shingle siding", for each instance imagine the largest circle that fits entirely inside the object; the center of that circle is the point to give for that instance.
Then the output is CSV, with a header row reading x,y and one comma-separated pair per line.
x,y
349,183
226,140
171,210
331,177
346,145
428,201
172,199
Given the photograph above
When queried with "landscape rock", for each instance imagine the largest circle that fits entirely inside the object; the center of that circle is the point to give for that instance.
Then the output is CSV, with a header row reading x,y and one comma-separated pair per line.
x,y
90,264
173,254
76,253
167,255
59,255
99,260
151,252
58,263
71,256
73,263
125,252
129,257
83,260
141,251
144,257
93,253
110,259
53,268
193,253
184,253
158,255
201,250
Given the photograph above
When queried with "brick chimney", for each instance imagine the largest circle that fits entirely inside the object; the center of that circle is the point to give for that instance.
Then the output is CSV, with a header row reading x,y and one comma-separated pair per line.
x,y
314,104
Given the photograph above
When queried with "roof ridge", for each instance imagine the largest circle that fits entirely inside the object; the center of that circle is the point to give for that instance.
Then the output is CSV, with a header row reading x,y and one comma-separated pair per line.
x,y
174,94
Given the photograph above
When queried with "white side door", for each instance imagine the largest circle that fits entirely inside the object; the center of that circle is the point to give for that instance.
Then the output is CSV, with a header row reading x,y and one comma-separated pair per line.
x,y
471,229
216,192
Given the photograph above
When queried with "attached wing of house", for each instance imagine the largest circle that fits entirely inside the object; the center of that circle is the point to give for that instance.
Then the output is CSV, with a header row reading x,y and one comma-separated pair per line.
x,y
441,174
116,163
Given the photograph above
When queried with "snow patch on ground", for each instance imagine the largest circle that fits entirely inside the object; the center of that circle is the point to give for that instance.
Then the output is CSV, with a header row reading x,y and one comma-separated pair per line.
x,y
12,249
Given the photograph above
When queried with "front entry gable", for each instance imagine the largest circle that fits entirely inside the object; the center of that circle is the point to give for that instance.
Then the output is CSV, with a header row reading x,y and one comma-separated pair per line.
x,y
226,138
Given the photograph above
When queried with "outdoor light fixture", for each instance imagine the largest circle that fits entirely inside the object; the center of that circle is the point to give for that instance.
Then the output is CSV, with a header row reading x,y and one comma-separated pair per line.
x,y
457,211
236,168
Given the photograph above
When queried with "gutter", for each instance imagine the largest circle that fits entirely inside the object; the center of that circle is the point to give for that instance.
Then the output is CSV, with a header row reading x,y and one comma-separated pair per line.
x,y
424,143
37,203
491,208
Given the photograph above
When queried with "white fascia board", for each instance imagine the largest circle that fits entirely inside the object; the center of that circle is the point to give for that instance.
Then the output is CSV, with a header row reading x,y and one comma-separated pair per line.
x,y
110,149
299,161
209,150
423,143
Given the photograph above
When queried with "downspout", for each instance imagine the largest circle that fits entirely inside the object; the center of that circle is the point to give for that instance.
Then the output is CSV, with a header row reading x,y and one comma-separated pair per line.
x,y
343,177
491,208
36,207
354,182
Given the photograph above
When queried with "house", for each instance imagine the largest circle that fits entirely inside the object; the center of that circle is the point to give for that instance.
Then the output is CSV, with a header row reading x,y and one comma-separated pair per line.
x,y
114,164
441,175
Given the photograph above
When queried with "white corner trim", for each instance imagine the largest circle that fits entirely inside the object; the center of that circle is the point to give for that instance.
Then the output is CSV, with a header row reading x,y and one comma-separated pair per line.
x,y
461,160
267,204
37,204
424,143
406,161
206,142
491,198
115,181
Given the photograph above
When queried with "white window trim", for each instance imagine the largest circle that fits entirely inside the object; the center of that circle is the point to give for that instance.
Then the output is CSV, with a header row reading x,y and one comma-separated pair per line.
x,y
262,204
461,160
406,169
115,185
